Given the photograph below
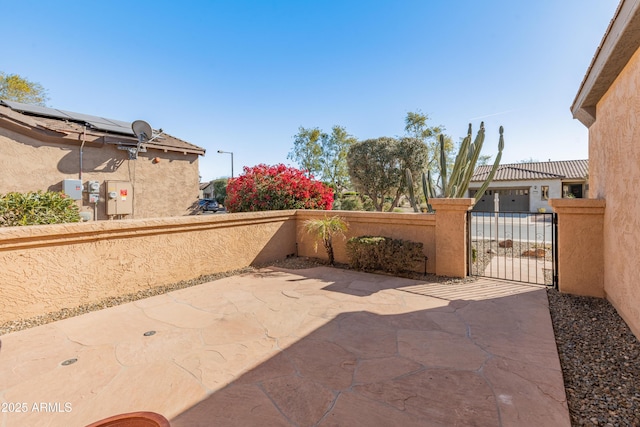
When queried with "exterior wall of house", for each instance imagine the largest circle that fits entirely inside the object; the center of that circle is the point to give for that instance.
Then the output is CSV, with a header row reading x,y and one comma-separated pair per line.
x,y
614,174
535,194
168,187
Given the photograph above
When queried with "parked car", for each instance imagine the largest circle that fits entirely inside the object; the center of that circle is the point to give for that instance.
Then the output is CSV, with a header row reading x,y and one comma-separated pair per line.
x,y
209,205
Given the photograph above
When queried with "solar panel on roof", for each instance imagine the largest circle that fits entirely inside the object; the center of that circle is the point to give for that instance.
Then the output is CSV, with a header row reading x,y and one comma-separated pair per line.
x,y
99,123
36,110
110,127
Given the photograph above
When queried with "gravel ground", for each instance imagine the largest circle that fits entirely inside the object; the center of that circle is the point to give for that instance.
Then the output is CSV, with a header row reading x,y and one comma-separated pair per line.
x,y
600,357
600,360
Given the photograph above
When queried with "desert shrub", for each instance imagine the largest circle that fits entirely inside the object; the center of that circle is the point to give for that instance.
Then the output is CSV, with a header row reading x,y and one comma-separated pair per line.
x,y
265,188
350,203
367,204
35,208
370,253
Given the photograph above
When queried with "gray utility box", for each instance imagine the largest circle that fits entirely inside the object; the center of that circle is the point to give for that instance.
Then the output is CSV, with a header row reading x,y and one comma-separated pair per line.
x,y
72,188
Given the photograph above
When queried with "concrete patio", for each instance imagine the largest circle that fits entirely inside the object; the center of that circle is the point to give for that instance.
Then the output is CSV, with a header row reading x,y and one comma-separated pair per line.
x,y
522,269
322,346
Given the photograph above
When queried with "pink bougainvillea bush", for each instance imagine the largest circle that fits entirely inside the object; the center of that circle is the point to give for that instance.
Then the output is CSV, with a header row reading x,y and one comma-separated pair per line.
x,y
266,188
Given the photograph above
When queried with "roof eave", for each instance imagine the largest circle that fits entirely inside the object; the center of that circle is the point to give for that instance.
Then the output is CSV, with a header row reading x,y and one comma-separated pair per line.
x,y
620,42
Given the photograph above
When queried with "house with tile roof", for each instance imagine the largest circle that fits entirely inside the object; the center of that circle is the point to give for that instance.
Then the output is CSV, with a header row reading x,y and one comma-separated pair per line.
x,y
527,187
97,161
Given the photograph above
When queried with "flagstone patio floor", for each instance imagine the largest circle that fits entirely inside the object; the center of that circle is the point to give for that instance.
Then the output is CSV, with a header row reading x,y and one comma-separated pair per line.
x,y
315,347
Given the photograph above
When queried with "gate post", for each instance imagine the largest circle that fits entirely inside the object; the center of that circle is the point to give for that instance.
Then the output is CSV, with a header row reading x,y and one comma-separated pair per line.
x,y
580,246
451,236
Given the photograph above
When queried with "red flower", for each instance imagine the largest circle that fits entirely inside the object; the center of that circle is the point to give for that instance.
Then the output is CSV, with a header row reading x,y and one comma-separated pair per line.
x,y
265,187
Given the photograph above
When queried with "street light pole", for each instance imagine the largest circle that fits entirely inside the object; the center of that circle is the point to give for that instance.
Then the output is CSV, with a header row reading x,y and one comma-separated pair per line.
x,y
228,152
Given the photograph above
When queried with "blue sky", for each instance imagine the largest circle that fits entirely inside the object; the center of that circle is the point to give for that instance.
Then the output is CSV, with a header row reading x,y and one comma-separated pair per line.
x,y
242,76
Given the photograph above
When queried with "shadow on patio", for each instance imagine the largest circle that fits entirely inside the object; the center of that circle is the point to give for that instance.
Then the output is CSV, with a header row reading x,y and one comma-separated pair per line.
x,y
310,347
483,361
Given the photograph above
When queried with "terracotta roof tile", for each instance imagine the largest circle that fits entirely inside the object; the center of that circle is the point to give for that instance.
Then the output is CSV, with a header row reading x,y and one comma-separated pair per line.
x,y
565,169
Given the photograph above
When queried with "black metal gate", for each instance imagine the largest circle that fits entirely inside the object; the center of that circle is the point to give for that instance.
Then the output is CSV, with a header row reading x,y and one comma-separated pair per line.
x,y
518,246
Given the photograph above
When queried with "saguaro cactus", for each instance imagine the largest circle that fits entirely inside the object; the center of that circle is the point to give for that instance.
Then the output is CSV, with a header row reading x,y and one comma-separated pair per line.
x,y
457,184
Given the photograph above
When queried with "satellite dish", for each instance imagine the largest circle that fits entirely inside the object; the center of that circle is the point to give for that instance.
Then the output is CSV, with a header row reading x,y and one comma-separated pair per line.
x,y
142,130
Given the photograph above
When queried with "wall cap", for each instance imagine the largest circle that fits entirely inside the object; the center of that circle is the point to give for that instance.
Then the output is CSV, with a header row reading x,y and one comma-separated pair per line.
x,y
578,206
23,237
448,204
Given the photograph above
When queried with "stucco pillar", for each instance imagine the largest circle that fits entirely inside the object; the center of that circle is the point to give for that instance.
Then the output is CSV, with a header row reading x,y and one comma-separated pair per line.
x,y
451,236
580,246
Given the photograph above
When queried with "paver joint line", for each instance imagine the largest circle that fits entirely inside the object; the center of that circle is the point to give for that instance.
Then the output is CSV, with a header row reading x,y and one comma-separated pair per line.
x,y
351,345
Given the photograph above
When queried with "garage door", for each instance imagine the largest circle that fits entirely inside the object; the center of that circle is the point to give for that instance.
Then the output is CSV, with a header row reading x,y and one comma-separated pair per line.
x,y
511,200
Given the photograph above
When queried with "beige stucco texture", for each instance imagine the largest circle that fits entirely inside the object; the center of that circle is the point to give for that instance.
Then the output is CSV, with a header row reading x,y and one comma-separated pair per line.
x,y
614,156
407,226
451,235
580,250
443,235
47,268
167,186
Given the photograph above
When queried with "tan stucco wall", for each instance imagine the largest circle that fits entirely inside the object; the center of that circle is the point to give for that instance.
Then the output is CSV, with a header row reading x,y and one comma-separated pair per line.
x,y
451,236
46,268
614,174
408,226
580,246
167,188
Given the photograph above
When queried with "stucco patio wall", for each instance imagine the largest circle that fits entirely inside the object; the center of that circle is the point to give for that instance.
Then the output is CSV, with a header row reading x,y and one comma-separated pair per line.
x,y
47,268
417,227
443,234
580,246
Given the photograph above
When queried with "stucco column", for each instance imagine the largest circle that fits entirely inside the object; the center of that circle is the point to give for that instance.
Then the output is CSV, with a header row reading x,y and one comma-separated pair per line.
x,y
580,246
451,236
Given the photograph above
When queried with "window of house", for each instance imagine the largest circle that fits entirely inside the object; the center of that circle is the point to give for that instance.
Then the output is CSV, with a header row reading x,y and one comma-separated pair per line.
x,y
544,190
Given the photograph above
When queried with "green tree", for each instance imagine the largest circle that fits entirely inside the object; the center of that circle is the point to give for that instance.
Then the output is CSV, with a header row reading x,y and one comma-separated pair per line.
x,y
373,167
334,157
307,150
413,155
376,167
416,126
323,155
484,159
220,189
529,160
19,89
